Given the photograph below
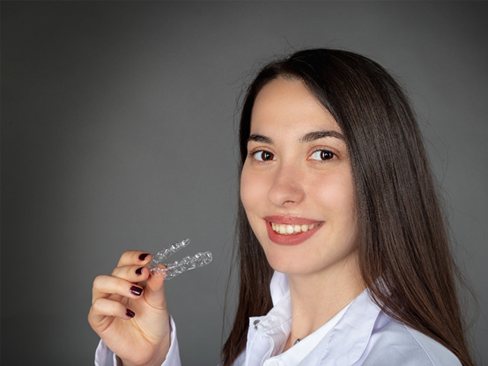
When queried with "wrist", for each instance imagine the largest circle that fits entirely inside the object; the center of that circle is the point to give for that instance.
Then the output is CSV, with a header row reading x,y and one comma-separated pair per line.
x,y
157,359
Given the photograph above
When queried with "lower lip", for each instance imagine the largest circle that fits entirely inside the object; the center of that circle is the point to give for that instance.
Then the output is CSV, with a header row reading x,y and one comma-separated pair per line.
x,y
291,239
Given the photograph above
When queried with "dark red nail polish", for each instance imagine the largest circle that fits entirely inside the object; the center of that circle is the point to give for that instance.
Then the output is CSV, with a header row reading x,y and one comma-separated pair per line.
x,y
130,313
139,271
143,256
136,290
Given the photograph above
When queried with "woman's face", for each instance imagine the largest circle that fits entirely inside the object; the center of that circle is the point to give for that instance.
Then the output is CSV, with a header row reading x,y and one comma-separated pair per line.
x,y
296,183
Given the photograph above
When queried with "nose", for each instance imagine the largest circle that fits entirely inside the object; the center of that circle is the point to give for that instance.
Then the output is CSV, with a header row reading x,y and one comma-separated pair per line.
x,y
287,187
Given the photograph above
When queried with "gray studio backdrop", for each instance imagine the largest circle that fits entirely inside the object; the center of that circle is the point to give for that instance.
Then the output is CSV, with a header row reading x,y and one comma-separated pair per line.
x,y
119,129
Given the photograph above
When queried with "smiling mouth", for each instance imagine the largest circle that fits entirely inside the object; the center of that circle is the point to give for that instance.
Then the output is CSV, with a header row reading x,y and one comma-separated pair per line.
x,y
288,230
285,229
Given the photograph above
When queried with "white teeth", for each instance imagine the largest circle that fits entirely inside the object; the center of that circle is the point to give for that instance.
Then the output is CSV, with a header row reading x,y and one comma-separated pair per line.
x,y
291,229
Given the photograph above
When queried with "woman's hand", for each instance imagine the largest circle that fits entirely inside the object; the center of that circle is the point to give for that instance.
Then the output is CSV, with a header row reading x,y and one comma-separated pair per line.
x,y
129,311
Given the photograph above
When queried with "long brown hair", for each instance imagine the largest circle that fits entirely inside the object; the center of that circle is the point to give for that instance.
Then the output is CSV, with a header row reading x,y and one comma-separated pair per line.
x,y
404,248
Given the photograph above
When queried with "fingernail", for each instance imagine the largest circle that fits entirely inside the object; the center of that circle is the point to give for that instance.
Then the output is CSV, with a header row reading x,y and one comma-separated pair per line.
x,y
136,290
143,256
130,313
139,271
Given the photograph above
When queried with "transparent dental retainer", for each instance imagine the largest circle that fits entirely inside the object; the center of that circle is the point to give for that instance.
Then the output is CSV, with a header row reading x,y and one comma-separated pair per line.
x,y
159,264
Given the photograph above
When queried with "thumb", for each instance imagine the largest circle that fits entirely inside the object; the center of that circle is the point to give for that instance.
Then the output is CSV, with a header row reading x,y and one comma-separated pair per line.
x,y
154,291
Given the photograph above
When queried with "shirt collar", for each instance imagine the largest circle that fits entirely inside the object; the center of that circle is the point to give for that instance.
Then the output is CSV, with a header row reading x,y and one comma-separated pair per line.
x,y
277,320
279,287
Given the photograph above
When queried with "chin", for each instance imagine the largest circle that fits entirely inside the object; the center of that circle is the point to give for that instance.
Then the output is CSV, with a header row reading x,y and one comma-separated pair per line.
x,y
285,264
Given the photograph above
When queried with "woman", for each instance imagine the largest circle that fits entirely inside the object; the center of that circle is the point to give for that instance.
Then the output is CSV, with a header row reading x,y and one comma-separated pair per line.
x,y
344,257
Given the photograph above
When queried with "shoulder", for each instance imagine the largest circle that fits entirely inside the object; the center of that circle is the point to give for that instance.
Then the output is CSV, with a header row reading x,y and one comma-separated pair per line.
x,y
394,343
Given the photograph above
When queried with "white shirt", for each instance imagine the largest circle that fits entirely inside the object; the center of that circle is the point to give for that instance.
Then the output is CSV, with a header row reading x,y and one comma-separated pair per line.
x,y
361,334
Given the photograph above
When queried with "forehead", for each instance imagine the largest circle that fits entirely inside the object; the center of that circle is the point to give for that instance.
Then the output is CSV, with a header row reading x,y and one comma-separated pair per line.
x,y
286,103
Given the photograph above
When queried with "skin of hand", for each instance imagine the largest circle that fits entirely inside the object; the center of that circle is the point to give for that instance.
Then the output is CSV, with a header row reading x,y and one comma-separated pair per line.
x,y
129,311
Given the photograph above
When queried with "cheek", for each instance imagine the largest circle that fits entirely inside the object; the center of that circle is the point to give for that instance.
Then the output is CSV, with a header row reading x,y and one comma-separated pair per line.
x,y
336,195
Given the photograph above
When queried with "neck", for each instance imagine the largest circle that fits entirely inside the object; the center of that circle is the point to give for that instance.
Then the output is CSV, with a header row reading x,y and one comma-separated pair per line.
x,y
317,297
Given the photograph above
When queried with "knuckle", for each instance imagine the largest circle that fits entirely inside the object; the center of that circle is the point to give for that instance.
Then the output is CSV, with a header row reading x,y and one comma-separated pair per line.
x,y
97,282
125,258
100,306
90,316
96,306
119,273
127,254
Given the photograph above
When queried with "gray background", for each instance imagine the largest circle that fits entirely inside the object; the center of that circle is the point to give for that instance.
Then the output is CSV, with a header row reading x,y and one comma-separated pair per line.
x,y
119,129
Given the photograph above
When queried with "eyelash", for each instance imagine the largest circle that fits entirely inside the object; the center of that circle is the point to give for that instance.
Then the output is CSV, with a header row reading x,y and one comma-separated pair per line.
x,y
331,155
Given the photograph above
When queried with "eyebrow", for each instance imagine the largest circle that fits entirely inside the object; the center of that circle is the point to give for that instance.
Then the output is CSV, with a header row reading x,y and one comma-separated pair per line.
x,y
309,137
312,136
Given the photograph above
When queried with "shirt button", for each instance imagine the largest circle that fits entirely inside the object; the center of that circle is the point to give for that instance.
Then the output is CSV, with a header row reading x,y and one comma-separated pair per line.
x,y
255,323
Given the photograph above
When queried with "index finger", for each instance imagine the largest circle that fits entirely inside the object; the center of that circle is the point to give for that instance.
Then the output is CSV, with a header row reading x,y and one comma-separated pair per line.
x,y
134,257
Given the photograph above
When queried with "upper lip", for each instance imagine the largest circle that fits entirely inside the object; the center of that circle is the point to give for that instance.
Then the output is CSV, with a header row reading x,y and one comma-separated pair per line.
x,y
290,220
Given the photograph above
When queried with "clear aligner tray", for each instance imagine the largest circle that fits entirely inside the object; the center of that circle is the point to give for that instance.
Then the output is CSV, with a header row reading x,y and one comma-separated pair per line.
x,y
160,265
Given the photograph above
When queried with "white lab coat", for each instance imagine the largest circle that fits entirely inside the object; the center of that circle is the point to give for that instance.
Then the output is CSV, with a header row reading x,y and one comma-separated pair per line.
x,y
360,334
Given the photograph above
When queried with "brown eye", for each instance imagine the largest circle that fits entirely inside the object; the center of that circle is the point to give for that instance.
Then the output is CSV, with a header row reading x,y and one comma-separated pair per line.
x,y
262,155
322,155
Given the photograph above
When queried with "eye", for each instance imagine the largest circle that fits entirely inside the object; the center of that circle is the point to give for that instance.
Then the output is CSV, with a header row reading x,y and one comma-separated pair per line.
x,y
262,155
322,155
